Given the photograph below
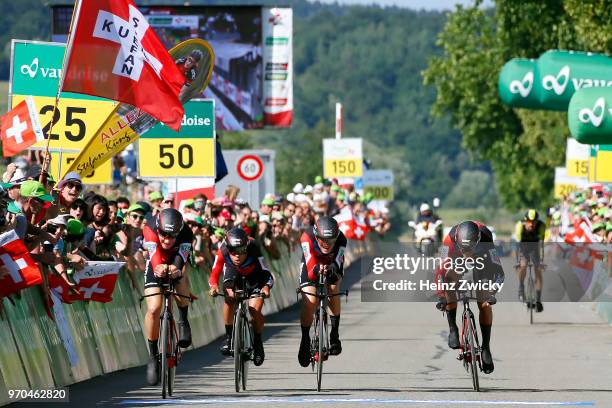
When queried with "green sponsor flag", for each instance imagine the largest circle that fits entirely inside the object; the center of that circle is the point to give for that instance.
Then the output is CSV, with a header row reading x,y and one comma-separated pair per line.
x,y
560,74
589,116
516,84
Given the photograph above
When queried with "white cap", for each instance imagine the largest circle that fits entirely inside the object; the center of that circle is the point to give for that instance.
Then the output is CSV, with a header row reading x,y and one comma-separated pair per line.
x,y
308,189
301,198
317,197
291,197
298,188
318,186
436,202
424,207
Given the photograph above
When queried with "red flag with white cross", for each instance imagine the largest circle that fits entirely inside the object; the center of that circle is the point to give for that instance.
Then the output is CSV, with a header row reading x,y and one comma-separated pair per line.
x,y
20,270
114,53
20,128
96,281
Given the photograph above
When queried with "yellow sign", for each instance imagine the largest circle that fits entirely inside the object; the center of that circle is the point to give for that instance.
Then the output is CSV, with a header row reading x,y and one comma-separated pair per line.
x,y
102,175
577,168
563,190
74,123
176,157
380,192
343,168
602,169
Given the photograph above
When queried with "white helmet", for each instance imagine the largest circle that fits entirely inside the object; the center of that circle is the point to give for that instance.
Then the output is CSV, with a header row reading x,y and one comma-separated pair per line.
x,y
424,207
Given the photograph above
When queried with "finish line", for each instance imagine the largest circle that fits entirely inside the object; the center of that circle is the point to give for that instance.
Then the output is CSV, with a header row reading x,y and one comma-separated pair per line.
x,y
236,401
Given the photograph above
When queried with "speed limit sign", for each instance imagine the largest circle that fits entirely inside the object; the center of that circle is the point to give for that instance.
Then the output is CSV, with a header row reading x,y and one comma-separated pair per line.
x,y
250,167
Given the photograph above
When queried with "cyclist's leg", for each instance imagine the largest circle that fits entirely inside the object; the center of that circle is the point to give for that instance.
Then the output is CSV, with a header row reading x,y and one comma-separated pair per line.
x,y
151,323
182,288
229,307
309,305
522,272
451,311
255,306
485,318
335,309
538,268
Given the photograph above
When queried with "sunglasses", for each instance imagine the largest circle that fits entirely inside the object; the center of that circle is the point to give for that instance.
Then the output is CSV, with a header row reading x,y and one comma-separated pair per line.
x,y
238,250
168,202
137,216
165,234
72,185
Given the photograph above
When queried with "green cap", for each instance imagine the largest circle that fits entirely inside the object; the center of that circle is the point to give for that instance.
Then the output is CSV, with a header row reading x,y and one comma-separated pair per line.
x,y
602,212
189,202
220,232
136,207
156,195
598,226
120,215
336,188
341,196
267,201
199,220
6,186
318,179
35,189
75,227
608,226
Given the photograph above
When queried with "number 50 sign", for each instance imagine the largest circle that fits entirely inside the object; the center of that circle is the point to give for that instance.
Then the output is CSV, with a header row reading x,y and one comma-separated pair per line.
x,y
188,153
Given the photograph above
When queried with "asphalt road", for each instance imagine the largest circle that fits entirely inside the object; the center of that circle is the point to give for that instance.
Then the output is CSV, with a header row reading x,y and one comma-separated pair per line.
x,y
395,354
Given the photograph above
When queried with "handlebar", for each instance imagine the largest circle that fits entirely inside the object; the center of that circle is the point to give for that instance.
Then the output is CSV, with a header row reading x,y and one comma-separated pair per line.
x,y
341,293
239,292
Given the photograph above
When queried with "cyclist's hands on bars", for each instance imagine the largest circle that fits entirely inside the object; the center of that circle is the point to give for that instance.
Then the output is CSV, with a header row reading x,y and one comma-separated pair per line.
x,y
441,305
160,270
174,272
214,290
265,291
229,293
323,269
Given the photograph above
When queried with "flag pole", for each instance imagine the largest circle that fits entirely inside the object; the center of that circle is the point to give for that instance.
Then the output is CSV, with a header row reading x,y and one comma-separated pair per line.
x,y
67,51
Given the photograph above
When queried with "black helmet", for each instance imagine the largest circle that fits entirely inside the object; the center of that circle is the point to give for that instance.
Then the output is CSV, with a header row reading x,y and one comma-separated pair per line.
x,y
170,222
467,235
196,55
236,240
531,215
326,228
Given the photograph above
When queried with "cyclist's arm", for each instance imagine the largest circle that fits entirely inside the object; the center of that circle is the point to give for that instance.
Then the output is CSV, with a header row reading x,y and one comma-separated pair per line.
x,y
309,259
519,231
339,260
216,269
264,267
446,251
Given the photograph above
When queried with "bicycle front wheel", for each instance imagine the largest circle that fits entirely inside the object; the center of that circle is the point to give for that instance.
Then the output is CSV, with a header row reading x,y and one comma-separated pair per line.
x,y
247,345
164,350
322,348
531,297
237,348
472,347
173,357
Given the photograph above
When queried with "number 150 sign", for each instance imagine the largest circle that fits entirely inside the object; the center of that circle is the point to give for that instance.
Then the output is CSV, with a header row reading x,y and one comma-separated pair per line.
x,y
342,157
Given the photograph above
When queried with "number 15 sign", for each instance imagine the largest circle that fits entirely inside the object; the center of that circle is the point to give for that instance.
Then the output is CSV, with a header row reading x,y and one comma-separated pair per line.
x,y
342,158
163,152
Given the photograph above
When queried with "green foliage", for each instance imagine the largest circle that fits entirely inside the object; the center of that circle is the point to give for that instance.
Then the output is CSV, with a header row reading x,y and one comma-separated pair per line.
x,y
522,146
475,189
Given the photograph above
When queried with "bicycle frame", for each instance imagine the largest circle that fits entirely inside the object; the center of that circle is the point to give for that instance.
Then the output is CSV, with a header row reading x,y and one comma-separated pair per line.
x,y
169,350
470,344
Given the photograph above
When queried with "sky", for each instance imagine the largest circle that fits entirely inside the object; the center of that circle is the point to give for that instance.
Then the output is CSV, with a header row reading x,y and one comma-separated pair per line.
x,y
413,4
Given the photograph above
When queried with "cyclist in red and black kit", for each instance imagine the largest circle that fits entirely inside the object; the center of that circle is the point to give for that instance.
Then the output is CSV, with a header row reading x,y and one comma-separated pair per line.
x,y
239,256
323,248
168,244
470,239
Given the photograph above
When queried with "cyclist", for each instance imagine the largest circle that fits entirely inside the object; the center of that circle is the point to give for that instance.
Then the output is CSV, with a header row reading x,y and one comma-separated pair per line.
x,y
470,240
530,234
323,247
168,244
238,256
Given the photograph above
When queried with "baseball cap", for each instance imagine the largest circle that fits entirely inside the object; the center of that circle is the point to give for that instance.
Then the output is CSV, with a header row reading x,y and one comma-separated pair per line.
x,y
71,176
267,201
136,207
75,227
61,219
35,189
169,197
155,195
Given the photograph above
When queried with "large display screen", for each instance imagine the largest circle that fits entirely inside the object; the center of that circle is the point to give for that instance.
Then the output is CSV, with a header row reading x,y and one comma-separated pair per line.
x,y
235,33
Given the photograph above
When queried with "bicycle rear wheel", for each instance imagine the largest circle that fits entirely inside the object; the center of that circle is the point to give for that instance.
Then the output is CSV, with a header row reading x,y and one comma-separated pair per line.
x,y
471,339
322,349
164,350
237,348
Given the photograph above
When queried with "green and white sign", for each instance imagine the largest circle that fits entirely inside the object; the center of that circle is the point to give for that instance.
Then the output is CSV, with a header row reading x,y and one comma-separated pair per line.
x,y
589,116
198,123
516,84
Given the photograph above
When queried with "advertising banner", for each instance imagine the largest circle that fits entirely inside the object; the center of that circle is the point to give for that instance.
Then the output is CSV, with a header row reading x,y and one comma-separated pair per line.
x,y
278,66
589,115
516,84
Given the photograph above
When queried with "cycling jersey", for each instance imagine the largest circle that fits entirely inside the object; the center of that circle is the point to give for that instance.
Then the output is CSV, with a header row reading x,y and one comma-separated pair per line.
x,y
190,73
535,235
178,255
313,257
254,268
485,250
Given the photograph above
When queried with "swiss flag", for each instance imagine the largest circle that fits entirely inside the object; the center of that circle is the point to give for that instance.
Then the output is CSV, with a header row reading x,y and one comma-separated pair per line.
x,y
20,128
346,222
95,282
115,54
361,228
22,271
582,234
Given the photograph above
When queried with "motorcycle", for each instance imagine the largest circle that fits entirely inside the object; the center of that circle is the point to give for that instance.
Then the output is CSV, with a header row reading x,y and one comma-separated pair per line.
x,y
426,236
